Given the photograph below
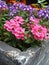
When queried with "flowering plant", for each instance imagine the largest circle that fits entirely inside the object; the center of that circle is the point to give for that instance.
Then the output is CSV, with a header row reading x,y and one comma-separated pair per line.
x,y
4,15
29,32
24,27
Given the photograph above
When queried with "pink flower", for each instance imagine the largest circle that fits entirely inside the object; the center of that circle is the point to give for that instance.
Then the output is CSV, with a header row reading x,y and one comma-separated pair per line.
x,y
48,31
39,32
7,26
47,37
19,33
19,19
14,24
15,28
34,20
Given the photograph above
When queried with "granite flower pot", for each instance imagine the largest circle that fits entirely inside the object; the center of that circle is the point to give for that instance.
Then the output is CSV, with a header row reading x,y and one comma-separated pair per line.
x,y
32,56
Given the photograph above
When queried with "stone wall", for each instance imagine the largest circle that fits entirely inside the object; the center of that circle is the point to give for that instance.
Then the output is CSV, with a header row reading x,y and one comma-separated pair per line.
x,y
32,56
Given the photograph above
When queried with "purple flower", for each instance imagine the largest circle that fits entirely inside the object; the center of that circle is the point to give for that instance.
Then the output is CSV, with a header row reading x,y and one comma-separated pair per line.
x,y
3,5
15,8
44,13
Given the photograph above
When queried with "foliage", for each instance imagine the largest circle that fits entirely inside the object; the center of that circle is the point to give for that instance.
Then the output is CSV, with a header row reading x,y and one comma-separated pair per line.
x,y
3,18
23,28
42,3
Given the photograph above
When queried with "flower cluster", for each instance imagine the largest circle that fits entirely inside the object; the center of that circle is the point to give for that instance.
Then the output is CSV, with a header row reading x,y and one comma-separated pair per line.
x,y
14,26
36,20
3,5
16,7
44,13
39,32
24,30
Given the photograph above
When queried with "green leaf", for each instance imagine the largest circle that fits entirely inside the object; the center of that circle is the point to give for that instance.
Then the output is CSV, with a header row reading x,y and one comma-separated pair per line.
x,y
27,41
25,37
40,1
26,20
6,39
